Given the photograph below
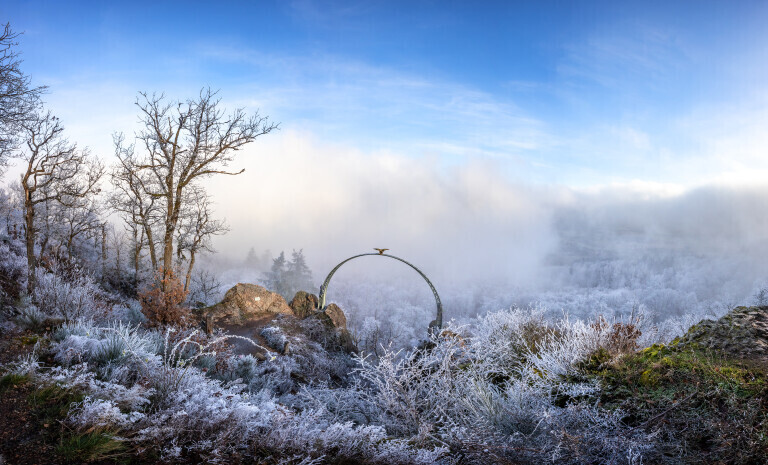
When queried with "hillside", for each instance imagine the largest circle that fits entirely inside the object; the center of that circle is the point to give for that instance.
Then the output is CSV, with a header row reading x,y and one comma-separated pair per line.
x,y
288,388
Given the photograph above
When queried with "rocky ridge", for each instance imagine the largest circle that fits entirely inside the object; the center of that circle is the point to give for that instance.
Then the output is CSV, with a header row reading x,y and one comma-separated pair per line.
x,y
742,334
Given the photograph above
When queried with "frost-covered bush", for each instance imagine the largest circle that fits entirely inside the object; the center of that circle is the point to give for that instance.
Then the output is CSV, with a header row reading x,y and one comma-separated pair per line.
x,y
311,434
509,389
70,298
30,317
284,375
13,270
504,390
275,338
116,352
556,356
104,413
243,367
129,312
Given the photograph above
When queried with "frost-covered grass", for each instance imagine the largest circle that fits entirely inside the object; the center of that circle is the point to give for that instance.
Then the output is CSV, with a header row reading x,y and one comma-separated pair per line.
x,y
507,389
504,390
511,386
151,388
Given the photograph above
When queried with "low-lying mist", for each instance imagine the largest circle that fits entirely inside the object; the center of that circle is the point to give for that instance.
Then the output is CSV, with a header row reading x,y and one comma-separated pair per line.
x,y
488,242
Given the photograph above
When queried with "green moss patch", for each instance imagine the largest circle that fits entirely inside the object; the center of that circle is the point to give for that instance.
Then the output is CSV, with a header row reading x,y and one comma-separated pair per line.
x,y
706,407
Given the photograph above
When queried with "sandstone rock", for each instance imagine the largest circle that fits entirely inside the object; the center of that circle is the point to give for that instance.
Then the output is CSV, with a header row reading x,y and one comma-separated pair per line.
x,y
244,303
742,333
303,304
336,316
253,312
337,336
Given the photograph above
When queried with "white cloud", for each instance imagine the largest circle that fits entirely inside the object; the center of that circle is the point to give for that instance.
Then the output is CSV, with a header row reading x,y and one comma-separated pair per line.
x,y
333,200
372,106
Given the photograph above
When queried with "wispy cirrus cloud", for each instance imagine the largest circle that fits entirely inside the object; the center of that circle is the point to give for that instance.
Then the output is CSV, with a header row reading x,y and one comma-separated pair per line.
x,y
638,55
375,106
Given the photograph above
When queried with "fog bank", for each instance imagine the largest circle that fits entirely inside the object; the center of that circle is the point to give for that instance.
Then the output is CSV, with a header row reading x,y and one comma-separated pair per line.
x,y
488,239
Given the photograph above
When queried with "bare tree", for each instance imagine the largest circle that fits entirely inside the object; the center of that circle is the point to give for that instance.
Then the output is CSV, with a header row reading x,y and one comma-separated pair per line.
x,y
18,99
132,200
182,142
196,228
64,222
205,287
138,241
56,170
80,217
117,240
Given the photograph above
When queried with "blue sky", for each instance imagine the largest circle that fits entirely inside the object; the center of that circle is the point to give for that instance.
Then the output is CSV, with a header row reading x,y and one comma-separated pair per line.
x,y
579,93
448,98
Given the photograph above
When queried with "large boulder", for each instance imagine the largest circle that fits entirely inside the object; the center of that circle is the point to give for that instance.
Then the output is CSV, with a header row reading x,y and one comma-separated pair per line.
x,y
335,322
742,333
242,304
303,304
334,316
250,311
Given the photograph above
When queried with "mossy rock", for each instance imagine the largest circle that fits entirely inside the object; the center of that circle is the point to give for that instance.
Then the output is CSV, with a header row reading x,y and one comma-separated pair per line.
x,y
741,334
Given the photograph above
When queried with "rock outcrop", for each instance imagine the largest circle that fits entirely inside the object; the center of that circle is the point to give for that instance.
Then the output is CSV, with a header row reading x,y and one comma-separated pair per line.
x,y
742,333
303,304
242,304
335,322
252,311
334,316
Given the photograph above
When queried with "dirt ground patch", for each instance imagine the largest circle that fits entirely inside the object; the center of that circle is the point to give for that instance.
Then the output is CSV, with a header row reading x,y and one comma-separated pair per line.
x,y
22,440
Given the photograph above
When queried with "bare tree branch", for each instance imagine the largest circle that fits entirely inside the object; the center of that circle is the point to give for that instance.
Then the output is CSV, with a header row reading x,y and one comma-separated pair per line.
x,y
18,98
180,142
56,171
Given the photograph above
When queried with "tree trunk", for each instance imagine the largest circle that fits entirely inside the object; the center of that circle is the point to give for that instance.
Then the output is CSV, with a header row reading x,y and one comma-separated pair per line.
x,y
117,259
136,258
168,251
29,216
103,249
151,245
137,241
189,270
69,246
172,219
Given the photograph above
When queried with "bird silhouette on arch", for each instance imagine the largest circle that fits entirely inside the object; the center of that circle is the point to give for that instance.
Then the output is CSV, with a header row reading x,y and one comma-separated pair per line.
x,y
381,251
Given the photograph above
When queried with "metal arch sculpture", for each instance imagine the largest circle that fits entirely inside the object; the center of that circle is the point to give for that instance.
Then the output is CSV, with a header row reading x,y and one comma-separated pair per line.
x,y
437,322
